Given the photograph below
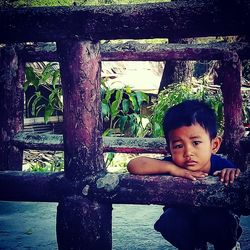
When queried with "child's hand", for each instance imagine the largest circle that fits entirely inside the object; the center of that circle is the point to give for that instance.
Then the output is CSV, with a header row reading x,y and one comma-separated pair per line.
x,y
228,175
192,175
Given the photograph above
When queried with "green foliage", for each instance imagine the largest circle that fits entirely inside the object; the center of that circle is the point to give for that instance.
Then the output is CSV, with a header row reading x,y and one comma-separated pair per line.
x,y
108,159
56,165
246,69
48,79
246,109
121,109
177,93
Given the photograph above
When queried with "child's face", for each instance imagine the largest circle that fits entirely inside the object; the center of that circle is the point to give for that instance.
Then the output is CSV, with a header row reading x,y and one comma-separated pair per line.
x,y
191,147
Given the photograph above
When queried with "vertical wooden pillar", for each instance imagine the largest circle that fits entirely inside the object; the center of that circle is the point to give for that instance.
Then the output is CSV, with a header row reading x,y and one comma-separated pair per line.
x,y
80,74
231,91
11,107
82,223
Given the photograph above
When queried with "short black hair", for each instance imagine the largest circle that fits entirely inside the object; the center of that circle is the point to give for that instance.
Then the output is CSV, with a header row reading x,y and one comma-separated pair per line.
x,y
190,112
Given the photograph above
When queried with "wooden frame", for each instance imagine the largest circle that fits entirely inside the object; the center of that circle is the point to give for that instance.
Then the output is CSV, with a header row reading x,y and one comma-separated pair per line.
x,y
85,191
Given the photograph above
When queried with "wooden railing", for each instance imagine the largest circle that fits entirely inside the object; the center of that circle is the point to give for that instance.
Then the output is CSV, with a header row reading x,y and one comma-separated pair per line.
x,y
85,191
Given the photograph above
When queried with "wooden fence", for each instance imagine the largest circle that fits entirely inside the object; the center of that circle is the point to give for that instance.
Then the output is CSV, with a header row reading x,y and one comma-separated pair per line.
x,y
85,191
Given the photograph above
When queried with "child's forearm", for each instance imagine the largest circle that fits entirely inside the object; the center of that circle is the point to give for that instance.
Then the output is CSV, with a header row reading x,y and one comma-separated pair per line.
x,y
146,165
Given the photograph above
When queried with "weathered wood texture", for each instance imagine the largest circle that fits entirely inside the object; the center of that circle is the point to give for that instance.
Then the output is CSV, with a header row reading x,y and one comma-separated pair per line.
x,y
80,74
180,19
110,144
84,224
134,51
231,90
11,107
128,189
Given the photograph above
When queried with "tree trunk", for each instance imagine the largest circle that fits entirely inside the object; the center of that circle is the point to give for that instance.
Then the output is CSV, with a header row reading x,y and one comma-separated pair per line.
x,y
177,71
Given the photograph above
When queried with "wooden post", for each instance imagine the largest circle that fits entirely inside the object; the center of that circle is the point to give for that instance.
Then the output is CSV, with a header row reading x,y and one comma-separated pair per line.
x,y
11,107
231,91
80,72
82,223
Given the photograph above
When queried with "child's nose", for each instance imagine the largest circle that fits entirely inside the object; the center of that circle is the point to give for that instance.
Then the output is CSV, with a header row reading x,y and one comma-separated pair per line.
x,y
188,151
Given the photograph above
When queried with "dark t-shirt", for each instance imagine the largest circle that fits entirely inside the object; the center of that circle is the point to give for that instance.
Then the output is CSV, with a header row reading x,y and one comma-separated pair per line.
x,y
217,163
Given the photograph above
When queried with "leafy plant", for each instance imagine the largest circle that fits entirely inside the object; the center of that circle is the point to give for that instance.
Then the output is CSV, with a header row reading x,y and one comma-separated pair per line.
x,y
177,93
48,80
109,157
121,109
246,109
56,165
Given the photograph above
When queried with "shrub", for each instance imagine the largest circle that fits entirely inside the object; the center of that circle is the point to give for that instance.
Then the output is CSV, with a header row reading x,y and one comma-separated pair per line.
x,y
177,93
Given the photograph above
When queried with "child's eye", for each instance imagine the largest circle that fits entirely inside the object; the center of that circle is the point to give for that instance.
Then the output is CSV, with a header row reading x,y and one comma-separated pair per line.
x,y
176,146
195,143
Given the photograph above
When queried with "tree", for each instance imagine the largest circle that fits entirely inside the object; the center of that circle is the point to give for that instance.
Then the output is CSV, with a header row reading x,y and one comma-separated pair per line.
x,y
177,71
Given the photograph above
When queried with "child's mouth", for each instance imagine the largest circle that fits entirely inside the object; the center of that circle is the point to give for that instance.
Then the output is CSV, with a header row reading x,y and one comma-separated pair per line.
x,y
191,163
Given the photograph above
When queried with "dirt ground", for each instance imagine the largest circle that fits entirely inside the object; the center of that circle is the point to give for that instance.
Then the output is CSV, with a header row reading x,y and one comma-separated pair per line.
x,y
31,225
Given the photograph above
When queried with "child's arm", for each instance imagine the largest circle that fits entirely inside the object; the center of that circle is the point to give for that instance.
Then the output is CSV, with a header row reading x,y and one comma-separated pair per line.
x,y
228,175
145,165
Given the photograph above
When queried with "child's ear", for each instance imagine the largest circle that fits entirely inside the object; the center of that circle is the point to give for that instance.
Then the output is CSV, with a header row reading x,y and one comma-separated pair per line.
x,y
216,142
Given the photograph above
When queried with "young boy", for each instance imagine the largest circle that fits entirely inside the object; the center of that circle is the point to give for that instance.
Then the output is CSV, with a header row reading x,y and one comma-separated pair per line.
x,y
191,134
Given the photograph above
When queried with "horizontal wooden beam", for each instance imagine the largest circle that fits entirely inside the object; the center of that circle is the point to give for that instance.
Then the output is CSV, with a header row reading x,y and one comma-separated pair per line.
x,y
135,51
111,144
30,186
128,189
178,19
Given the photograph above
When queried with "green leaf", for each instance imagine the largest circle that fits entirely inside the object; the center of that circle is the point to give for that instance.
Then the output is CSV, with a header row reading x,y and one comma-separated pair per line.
x,y
38,97
114,109
145,97
125,105
139,98
52,97
55,79
157,130
118,95
109,92
108,132
48,113
122,123
26,85
134,103
29,73
128,90
31,77
109,159
105,109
